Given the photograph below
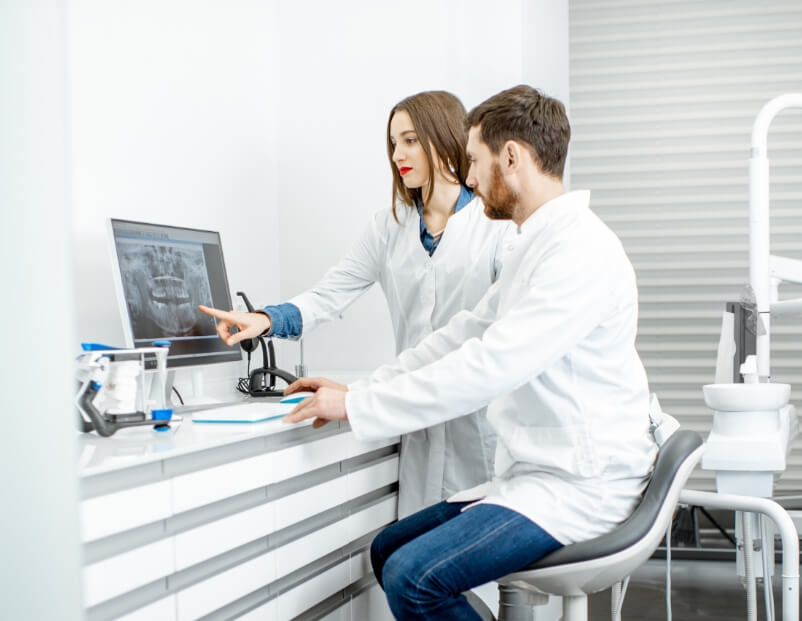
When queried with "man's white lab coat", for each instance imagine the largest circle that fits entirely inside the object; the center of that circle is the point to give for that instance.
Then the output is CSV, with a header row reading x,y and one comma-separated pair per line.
x,y
422,294
552,346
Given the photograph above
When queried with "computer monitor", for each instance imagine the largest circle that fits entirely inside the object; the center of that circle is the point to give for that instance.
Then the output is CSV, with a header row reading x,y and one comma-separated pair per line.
x,y
162,273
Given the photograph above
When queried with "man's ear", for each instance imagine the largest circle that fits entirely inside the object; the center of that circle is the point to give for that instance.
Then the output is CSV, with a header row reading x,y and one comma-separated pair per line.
x,y
511,154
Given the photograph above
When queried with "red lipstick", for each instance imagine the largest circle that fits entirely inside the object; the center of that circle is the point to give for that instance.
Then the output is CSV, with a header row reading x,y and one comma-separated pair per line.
x,y
404,170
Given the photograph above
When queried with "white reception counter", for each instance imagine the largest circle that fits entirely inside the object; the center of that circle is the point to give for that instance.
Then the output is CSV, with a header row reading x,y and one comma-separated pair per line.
x,y
253,521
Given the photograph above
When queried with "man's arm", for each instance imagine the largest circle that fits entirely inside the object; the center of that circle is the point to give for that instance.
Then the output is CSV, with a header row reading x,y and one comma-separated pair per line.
x,y
562,303
463,325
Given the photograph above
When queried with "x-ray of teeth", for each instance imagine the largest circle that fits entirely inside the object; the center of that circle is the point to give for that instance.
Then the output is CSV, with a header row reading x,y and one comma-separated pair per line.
x,y
163,286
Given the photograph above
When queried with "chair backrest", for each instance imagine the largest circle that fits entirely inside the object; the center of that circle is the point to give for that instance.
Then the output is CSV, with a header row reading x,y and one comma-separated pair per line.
x,y
675,461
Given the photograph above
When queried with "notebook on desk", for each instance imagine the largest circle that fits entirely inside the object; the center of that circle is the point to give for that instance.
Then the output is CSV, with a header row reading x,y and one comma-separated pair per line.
x,y
243,413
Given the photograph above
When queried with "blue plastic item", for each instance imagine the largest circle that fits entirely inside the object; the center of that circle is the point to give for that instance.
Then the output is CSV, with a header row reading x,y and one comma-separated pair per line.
x,y
162,414
96,347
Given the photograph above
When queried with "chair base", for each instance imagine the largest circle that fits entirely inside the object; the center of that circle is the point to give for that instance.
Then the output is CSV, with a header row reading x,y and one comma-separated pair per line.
x,y
575,608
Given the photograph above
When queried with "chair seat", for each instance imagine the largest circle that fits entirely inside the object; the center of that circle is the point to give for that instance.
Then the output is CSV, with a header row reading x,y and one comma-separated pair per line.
x,y
597,564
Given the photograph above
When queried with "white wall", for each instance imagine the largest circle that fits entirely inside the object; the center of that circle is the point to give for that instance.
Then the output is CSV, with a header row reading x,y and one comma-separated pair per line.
x,y
39,544
266,121
172,108
546,53
341,67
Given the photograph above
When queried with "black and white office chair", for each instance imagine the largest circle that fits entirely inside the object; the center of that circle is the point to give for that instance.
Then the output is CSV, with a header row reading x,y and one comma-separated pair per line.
x,y
590,566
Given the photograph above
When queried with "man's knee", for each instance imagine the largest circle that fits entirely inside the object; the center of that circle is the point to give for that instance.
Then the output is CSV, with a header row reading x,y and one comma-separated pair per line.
x,y
407,582
382,547
399,580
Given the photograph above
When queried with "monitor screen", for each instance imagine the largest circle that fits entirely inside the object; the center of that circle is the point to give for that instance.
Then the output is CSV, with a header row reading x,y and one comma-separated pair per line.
x,y
162,274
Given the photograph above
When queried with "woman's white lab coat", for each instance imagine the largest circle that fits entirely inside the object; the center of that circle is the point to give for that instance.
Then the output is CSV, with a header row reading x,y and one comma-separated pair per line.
x,y
422,294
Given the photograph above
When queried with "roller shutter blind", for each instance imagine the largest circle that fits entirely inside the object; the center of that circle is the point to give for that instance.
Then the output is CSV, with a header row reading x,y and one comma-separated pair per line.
x,y
663,96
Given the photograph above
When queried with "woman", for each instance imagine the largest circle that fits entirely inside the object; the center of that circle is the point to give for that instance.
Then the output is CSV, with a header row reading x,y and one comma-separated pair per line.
x,y
434,253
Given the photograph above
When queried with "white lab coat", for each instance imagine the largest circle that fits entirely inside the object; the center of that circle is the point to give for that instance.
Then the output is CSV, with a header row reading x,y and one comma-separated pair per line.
x,y
552,345
422,294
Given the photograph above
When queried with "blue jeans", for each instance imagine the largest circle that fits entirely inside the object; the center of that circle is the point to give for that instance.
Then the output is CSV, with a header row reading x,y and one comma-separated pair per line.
x,y
426,561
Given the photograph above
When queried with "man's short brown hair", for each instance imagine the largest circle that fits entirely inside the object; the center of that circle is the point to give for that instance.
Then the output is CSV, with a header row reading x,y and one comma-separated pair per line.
x,y
527,116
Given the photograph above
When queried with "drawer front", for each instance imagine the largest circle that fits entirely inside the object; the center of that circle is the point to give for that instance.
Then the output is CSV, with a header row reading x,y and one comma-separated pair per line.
x,y
125,572
359,566
212,484
308,502
213,593
204,542
308,548
302,458
293,602
121,511
367,520
162,610
372,477
265,612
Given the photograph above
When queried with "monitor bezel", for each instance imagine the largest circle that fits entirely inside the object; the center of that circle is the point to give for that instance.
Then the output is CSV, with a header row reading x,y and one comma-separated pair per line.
x,y
235,355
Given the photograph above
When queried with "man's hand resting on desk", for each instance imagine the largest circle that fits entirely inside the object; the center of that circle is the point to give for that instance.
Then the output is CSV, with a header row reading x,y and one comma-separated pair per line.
x,y
250,325
328,402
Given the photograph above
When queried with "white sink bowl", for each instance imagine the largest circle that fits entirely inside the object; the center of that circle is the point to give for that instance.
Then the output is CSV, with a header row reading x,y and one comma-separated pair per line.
x,y
746,397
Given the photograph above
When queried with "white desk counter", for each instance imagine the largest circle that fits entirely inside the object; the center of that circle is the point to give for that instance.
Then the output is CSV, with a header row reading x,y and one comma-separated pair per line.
x,y
219,521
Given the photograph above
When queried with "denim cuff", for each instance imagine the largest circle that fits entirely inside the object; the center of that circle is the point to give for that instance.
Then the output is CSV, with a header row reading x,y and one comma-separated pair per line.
x,y
285,320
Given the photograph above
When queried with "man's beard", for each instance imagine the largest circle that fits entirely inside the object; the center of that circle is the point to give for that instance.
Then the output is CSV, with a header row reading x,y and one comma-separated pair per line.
x,y
500,201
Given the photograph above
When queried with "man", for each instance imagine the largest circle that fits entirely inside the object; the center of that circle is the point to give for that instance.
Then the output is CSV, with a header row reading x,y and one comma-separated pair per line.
x,y
551,347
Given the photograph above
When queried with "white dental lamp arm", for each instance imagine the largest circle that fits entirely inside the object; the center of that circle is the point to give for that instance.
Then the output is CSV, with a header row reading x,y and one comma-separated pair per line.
x,y
759,276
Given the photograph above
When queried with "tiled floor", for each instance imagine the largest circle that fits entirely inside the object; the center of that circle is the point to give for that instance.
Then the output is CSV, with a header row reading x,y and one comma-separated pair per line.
x,y
707,590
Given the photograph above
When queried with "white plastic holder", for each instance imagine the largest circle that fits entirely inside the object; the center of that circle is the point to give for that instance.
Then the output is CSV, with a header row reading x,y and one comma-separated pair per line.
x,y
753,426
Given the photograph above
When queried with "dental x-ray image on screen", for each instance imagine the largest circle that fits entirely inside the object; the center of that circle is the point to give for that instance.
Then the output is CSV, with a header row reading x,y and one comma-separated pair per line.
x,y
164,283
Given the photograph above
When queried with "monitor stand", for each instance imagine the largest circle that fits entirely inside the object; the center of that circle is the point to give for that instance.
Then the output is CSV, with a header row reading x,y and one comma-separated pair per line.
x,y
195,401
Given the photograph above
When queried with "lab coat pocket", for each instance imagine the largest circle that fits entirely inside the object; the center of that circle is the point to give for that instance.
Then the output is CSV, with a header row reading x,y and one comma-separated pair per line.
x,y
554,449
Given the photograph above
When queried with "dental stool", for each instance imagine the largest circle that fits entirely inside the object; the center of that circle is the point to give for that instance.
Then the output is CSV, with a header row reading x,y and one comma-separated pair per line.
x,y
578,569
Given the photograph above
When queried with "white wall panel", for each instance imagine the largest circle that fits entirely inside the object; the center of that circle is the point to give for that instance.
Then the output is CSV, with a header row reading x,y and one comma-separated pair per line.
x,y
663,98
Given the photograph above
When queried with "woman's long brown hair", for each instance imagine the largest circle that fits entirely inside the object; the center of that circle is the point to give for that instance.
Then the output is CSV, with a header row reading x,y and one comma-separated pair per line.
x,y
439,121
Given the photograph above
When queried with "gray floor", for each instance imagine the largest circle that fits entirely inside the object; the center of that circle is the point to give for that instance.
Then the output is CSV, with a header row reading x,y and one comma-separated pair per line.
x,y
707,590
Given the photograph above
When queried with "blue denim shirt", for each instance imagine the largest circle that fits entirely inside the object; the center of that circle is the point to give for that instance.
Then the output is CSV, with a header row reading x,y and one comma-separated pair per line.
x,y
426,238
286,318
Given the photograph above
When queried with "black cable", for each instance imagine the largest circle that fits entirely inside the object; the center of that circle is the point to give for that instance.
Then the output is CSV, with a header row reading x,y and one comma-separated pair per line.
x,y
244,383
178,394
266,359
717,525
272,360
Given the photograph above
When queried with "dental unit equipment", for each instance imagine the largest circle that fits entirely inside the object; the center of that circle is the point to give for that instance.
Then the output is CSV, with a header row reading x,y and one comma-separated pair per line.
x,y
753,422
